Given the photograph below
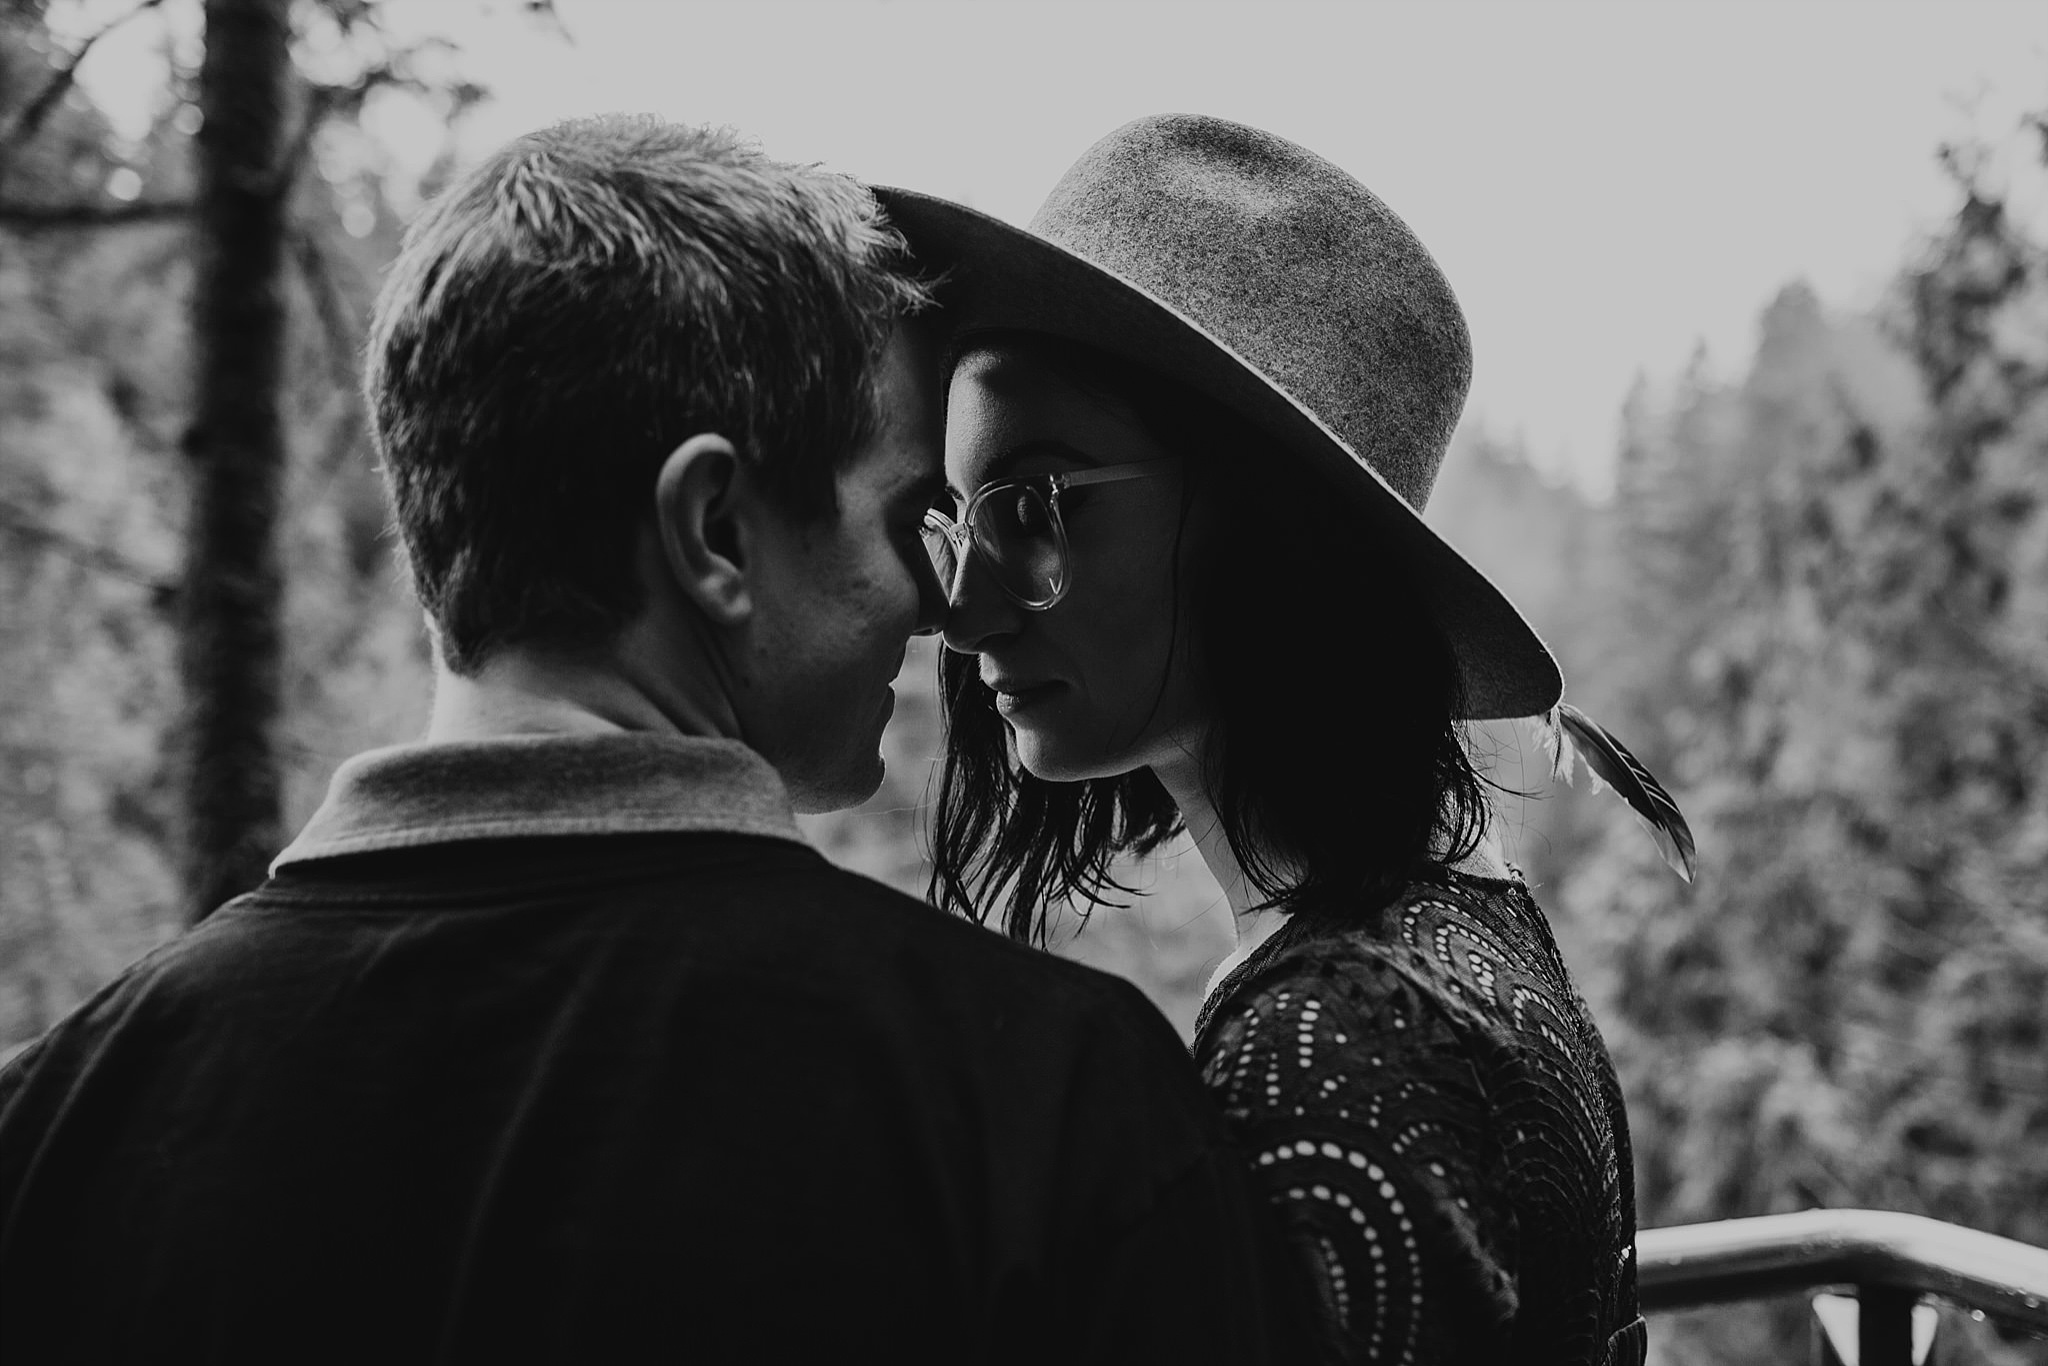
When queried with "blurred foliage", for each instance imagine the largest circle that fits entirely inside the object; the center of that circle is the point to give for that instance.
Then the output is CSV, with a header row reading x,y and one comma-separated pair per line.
x,y
1829,632
1817,605
93,400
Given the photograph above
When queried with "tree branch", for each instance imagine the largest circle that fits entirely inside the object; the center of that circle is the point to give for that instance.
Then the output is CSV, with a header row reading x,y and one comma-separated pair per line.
x,y
342,346
324,102
36,217
328,305
28,526
29,120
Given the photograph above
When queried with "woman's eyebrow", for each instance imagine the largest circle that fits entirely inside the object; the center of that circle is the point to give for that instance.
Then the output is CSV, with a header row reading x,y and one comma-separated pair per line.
x,y
1023,450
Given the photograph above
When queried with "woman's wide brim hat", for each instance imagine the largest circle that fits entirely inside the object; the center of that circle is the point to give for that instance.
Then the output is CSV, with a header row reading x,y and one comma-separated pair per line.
x,y
1257,274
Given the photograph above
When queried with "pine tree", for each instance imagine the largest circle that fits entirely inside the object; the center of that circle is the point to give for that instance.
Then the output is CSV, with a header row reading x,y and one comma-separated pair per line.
x,y
1849,552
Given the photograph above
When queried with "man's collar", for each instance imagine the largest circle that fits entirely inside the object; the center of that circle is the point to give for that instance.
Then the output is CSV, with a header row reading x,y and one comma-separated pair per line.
x,y
531,785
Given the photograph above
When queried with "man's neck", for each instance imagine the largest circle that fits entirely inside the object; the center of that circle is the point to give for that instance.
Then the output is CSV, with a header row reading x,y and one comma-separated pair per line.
x,y
526,692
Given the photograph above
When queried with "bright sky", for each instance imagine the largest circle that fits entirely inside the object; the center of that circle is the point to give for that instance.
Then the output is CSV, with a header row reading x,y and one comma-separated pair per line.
x,y
1606,184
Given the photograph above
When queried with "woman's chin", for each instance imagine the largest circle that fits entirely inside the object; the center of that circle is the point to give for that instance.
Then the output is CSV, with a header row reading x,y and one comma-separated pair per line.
x,y
1049,759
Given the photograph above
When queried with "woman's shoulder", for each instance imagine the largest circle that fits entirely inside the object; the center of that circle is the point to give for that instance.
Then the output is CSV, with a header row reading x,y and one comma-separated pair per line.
x,y
1324,988
1469,930
1454,952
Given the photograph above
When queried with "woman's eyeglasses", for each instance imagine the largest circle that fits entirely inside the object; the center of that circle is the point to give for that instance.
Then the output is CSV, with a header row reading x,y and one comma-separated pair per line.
x,y
1015,526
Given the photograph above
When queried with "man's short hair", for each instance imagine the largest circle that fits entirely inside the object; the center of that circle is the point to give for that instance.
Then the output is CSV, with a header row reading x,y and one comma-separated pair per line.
x,y
577,306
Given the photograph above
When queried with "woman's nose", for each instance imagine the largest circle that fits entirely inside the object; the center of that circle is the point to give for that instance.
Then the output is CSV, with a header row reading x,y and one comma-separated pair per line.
x,y
977,611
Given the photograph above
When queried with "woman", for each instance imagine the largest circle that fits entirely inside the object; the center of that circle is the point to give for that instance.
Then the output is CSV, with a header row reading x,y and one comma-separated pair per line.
x,y
1190,416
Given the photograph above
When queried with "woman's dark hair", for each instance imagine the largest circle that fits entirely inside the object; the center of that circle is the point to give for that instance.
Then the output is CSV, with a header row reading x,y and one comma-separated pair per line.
x,y
1335,758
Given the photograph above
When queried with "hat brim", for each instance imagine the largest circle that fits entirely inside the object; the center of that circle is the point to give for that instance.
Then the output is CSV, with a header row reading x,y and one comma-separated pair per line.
x,y
997,276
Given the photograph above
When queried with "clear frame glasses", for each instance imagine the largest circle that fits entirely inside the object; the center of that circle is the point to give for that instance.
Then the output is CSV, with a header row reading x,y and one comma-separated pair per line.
x,y
1015,526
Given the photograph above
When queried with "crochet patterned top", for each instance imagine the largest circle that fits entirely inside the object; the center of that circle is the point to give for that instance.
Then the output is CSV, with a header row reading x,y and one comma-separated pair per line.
x,y
1427,1104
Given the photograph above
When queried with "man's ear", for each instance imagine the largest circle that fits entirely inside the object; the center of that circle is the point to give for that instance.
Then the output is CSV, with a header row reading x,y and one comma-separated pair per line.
x,y
697,498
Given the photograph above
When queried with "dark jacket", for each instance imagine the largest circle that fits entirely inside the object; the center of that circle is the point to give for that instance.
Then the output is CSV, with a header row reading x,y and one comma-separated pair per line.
x,y
570,1048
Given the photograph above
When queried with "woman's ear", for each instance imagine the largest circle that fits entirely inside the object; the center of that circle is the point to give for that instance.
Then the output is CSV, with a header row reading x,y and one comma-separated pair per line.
x,y
697,509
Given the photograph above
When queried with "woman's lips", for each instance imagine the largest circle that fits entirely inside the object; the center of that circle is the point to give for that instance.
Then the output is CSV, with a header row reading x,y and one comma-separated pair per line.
x,y
1012,698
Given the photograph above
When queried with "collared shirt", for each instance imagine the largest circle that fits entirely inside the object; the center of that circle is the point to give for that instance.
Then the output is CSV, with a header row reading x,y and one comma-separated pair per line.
x,y
627,783
570,1048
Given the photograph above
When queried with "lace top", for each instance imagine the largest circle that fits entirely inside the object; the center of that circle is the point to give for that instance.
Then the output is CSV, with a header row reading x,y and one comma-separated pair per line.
x,y
1427,1103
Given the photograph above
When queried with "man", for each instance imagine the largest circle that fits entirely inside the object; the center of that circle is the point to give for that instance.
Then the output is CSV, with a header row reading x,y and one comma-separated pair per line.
x,y
549,1038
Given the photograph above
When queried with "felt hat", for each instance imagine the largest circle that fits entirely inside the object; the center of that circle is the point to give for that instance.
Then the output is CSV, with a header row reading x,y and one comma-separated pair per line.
x,y
1254,272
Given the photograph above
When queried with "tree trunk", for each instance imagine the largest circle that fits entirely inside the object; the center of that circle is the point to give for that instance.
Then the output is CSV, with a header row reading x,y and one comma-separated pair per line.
x,y
231,637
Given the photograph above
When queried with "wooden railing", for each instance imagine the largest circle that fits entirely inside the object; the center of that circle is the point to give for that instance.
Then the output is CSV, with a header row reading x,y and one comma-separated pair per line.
x,y
1888,1261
